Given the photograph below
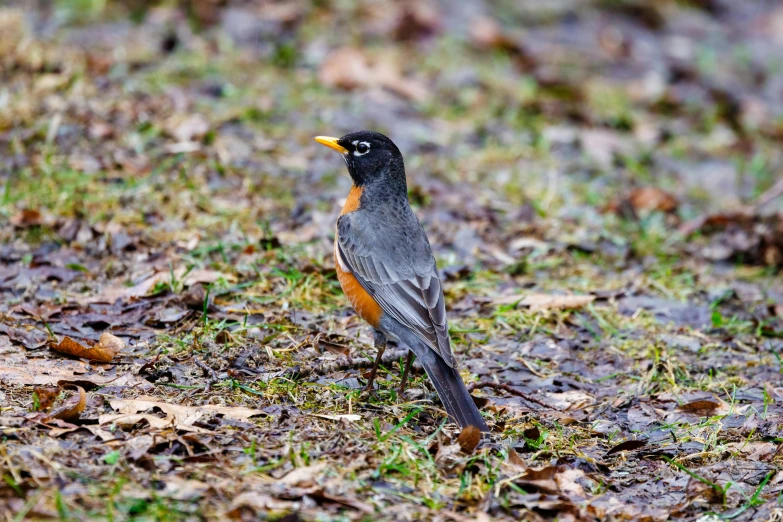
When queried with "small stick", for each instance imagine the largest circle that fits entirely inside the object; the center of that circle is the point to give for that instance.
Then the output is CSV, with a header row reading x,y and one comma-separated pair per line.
x,y
509,389
213,378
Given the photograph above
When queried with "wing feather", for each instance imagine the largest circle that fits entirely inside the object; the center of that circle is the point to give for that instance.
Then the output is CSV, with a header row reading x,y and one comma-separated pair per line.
x,y
409,290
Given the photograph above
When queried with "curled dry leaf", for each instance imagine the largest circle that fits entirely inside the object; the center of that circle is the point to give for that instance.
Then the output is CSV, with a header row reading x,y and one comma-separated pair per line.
x,y
469,439
105,350
71,410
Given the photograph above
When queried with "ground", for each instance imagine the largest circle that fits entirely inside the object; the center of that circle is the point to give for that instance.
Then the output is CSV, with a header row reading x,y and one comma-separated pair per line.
x,y
601,185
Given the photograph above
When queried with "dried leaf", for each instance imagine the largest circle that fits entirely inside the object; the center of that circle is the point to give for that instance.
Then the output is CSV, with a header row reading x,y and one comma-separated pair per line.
x,y
71,409
27,218
303,477
538,302
702,407
628,445
532,433
469,439
515,460
45,395
349,68
178,416
105,350
652,198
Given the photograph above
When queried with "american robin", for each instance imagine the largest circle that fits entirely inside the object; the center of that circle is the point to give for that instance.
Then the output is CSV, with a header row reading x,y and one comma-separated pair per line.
x,y
386,268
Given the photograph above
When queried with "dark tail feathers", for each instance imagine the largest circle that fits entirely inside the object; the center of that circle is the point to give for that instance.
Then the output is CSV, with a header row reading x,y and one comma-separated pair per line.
x,y
453,393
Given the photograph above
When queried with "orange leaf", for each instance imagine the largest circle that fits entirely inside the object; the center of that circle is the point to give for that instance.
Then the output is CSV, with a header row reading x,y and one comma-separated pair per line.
x,y
469,439
107,348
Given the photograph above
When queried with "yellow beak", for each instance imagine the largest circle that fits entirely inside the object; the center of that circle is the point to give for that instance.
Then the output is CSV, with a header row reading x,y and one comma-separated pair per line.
x,y
331,143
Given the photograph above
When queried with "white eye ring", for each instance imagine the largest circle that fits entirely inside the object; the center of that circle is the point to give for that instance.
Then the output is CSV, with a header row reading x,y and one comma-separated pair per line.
x,y
357,144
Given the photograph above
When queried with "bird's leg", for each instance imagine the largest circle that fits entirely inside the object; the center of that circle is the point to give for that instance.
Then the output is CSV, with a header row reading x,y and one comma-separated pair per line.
x,y
408,364
379,341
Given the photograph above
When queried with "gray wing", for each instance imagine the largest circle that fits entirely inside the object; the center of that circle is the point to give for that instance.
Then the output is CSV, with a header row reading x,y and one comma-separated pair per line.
x,y
399,271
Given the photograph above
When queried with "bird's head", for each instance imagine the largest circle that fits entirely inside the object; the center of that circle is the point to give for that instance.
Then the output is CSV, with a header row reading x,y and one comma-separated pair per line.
x,y
369,156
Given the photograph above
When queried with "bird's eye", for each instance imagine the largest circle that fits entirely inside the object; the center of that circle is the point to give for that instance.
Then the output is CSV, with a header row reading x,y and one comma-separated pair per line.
x,y
362,148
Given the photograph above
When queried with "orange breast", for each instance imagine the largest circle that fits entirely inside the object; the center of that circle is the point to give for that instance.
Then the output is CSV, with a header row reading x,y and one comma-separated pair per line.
x,y
352,202
364,304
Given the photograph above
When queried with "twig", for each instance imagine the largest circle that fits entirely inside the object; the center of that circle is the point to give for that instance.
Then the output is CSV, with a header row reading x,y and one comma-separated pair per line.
x,y
512,391
771,193
213,378
347,363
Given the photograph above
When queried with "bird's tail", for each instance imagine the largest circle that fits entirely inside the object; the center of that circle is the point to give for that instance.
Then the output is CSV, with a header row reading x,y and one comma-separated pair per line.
x,y
452,392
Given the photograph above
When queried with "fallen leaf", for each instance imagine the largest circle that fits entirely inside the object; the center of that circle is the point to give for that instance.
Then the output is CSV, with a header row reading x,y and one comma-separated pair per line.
x,y
416,19
178,416
703,407
125,420
303,477
486,33
652,198
628,445
71,410
532,433
469,439
348,68
16,367
105,350
27,218
45,395
542,480
257,501
539,302
515,460
189,128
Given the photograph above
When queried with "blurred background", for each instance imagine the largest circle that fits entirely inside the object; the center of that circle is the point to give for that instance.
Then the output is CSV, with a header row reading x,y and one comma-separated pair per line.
x,y
200,113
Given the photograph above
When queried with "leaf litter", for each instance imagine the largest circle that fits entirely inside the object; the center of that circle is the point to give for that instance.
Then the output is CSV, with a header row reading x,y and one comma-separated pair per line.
x,y
601,189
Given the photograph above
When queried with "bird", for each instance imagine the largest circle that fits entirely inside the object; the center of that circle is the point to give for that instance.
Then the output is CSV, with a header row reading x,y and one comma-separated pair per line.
x,y
386,268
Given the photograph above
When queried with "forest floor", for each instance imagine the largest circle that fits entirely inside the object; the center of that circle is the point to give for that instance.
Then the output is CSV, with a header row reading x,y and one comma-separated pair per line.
x,y
600,181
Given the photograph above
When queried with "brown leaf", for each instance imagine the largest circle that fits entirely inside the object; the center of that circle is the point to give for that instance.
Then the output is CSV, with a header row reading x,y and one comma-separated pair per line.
x,y
71,410
701,406
416,19
628,445
469,439
652,198
305,476
27,218
515,460
348,68
532,433
46,396
105,350
181,417
698,489
486,33
542,480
